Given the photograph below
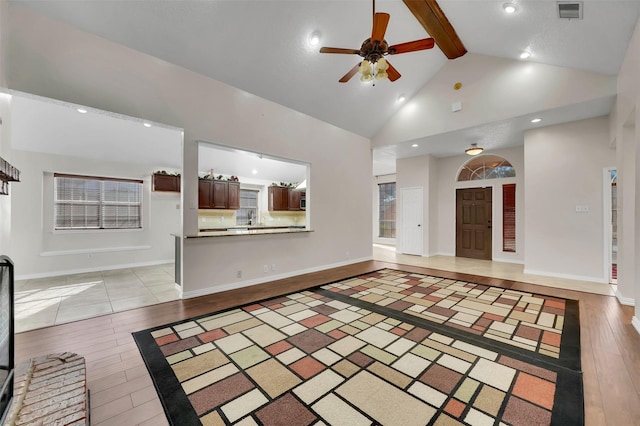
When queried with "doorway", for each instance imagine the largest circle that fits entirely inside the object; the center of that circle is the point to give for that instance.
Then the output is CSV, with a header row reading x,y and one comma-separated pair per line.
x,y
473,223
611,204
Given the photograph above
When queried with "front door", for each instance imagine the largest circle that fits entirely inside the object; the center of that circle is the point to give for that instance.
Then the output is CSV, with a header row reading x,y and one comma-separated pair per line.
x,y
473,223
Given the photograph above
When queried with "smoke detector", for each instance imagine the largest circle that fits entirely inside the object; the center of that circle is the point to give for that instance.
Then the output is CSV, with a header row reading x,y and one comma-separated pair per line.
x,y
570,9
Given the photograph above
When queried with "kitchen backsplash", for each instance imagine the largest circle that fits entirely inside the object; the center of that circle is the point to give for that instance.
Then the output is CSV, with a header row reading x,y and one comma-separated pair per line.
x,y
216,218
210,218
281,218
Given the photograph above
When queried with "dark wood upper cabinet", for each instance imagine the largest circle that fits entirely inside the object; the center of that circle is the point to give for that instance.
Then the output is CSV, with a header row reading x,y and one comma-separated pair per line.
x,y
294,199
205,194
233,195
278,198
170,183
219,197
217,194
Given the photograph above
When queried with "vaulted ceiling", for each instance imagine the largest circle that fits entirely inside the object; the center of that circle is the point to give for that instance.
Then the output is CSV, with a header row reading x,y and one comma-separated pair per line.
x,y
262,46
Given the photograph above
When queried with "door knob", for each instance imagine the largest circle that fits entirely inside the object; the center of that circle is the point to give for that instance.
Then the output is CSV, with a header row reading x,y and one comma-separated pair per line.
x,y
419,225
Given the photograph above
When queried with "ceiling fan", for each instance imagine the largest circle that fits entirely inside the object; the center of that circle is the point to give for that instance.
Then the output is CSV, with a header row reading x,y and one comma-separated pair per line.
x,y
375,48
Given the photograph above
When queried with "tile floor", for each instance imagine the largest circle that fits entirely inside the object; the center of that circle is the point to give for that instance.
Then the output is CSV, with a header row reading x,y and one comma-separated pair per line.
x,y
49,301
56,300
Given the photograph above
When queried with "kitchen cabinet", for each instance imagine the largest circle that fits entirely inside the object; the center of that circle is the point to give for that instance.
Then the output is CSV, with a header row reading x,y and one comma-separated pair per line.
x,y
294,199
217,194
169,183
278,198
233,195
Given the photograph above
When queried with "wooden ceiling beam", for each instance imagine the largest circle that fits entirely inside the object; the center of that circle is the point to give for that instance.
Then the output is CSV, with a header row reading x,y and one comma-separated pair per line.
x,y
434,21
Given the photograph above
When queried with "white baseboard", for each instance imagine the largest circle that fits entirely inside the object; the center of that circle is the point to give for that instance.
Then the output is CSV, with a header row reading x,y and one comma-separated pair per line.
x,y
598,280
261,280
92,269
635,321
627,301
515,261
93,250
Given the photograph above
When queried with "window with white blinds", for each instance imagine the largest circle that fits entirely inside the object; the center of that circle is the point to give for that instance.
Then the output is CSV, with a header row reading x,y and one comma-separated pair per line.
x,y
88,202
248,213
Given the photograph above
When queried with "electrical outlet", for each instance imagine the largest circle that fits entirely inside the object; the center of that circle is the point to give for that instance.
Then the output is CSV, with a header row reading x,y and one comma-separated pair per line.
x,y
273,267
239,274
265,268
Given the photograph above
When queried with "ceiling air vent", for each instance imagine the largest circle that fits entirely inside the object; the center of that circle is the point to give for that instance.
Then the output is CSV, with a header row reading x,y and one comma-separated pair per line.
x,y
570,9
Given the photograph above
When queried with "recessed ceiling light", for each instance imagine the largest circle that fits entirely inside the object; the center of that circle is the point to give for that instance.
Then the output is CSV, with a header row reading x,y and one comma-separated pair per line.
x,y
525,55
400,99
415,145
536,120
510,8
254,171
82,110
145,124
314,38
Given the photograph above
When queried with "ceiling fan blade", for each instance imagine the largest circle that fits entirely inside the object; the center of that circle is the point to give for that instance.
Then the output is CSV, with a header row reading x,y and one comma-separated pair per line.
x,y
380,22
392,72
350,74
434,21
411,46
339,50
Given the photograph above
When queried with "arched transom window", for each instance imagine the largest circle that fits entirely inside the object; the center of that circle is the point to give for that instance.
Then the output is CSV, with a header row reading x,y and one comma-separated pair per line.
x,y
486,167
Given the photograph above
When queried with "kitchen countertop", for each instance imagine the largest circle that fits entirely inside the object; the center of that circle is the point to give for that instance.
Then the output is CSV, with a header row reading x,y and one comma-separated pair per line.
x,y
247,230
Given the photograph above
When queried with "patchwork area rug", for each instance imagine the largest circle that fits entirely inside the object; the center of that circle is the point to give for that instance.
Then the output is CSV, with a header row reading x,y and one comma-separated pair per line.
x,y
389,347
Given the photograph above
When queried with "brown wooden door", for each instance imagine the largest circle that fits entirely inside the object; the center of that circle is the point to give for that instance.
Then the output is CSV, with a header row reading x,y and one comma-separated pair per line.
x,y
473,223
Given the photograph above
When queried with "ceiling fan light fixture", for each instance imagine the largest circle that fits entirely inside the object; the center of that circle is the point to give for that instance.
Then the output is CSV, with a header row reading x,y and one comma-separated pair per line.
x,y
510,8
474,149
365,71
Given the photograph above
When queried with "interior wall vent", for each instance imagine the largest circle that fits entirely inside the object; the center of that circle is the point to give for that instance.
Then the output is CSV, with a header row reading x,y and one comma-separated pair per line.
x,y
570,9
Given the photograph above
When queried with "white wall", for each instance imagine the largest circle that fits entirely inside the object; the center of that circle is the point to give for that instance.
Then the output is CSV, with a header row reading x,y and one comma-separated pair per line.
x,y
563,169
60,62
625,128
448,169
5,200
38,250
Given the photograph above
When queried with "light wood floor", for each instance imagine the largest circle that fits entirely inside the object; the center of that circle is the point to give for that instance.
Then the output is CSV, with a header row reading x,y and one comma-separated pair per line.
x,y
122,392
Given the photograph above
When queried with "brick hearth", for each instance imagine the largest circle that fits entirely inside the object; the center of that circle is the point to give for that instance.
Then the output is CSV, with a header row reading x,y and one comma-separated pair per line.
x,y
50,390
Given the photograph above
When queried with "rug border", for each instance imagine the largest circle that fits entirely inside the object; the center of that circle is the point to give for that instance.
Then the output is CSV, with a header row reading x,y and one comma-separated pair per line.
x,y
167,385
170,390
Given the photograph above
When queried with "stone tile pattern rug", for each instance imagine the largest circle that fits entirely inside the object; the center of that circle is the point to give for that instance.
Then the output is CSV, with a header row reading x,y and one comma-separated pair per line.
x,y
521,319
310,358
